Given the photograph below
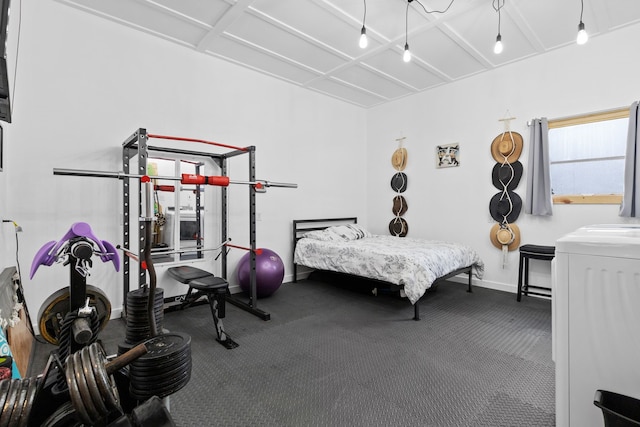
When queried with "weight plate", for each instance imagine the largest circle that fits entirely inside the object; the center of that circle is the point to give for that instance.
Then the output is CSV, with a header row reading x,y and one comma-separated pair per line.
x,y
161,382
20,401
170,365
4,391
83,387
64,416
164,344
9,403
160,391
28,402
159,375
106,383
74,393
155,359
56,307
90,378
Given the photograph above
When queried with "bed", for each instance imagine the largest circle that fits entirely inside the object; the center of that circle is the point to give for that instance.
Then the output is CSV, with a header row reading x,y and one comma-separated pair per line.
x,y
409,265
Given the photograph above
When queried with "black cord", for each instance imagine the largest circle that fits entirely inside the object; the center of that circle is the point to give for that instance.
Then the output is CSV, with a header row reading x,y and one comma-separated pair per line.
x,y
581,9
432,11
364,17
406,26
497,9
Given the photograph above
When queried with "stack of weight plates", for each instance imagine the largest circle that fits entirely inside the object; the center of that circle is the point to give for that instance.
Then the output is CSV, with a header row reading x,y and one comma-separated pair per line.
x,y
16,400
138,328
165,369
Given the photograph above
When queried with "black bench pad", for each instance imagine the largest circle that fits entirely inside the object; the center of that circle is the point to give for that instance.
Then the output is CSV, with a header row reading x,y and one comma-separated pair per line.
x,y
185,273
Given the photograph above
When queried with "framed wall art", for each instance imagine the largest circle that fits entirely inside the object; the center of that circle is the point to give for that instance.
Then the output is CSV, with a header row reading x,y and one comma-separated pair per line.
x,y
447,156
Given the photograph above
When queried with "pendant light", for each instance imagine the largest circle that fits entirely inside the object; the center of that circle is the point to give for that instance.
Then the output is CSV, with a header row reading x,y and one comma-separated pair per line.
x,y
582,33
406,56
363,33
498,47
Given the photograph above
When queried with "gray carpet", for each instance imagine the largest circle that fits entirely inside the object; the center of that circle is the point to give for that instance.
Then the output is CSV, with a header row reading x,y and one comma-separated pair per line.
x,y
335,355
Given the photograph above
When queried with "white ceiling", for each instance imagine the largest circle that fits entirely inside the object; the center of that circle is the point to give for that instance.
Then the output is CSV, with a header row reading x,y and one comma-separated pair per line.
x,y
314,43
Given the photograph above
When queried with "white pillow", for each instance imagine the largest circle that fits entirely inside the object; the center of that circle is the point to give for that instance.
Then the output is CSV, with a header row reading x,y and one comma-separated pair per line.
x,y
349,232
321,235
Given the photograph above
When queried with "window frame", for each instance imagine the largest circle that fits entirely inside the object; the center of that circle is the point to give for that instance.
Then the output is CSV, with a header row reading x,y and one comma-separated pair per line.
x,y
591,199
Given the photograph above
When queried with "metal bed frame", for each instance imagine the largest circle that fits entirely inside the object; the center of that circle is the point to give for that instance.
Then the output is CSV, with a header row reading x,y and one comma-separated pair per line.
x,y
301,226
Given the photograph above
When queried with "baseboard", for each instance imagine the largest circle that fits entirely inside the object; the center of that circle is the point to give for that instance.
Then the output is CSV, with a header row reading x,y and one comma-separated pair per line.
x,y
497,286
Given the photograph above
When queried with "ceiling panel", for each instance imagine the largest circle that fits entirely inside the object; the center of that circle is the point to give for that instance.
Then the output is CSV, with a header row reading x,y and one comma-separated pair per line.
x,y
444,54
390,63
246,55
346,92
207,12
315,22
273,38
373,82
314,43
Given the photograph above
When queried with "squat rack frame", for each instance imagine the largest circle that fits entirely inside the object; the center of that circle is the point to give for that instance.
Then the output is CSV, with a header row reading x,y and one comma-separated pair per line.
x,y
137,145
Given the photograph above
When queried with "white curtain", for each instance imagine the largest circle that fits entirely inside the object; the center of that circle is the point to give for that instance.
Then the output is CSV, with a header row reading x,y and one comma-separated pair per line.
x,y
538,198
631,192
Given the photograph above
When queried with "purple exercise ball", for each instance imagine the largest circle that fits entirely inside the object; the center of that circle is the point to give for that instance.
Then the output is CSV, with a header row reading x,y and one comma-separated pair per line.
x,y
269,272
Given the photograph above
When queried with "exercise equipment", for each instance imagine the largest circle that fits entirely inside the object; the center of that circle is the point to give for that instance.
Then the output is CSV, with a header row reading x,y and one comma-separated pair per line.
x,y
214,288
269,272
137,321
164,369
55,308
136,147
81,322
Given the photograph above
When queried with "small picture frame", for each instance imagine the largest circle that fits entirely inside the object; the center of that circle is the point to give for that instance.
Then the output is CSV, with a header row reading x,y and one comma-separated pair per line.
x,y
447,156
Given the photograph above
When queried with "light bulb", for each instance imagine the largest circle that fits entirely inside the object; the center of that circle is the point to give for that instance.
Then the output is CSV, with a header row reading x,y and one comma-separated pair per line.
x,y
406,57
497,49
582,34
363,38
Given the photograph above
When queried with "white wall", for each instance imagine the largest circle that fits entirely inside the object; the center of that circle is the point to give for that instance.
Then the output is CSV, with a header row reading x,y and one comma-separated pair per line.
x,y
85,84
453,204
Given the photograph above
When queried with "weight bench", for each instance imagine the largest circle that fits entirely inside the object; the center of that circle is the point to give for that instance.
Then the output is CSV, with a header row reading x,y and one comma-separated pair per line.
x,y
205,284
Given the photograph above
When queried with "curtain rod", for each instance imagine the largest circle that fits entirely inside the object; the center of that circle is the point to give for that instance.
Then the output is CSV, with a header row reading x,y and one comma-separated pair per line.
x,y
612,111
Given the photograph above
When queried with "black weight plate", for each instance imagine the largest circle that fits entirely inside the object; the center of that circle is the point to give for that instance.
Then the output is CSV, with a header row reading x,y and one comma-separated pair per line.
x,y
164,363
156,387
176,365
90,379
9,403
165,344
159,375
20,402
163,392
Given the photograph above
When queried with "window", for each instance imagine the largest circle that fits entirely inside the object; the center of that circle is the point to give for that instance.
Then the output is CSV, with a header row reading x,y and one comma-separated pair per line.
x,y
586,155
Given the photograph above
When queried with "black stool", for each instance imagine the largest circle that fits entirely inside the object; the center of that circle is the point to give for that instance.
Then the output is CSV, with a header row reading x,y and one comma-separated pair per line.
x,y
205,284
545,253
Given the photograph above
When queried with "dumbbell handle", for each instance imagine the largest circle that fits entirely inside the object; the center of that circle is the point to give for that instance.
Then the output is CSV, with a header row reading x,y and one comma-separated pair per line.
x,y
126,358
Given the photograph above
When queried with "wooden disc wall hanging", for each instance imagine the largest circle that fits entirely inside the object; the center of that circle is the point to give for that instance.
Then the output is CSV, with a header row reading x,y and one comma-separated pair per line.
x,y
505,206
398,225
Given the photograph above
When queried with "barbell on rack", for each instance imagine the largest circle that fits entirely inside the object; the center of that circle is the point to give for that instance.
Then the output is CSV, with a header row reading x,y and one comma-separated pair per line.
x,y
220,181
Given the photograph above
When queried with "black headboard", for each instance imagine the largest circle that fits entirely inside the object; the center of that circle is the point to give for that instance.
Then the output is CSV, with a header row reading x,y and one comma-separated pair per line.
x,y
301,226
